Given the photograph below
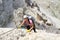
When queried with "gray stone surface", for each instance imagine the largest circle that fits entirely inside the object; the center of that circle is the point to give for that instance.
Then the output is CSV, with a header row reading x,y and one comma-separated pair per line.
x,y
1,6
18,3
7,8
6,11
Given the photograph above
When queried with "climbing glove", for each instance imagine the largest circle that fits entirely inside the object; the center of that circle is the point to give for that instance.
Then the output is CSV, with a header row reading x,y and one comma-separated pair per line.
x,y
28,30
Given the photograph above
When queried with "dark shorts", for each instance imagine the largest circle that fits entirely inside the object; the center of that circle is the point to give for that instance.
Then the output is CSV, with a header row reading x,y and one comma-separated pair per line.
x,y
28,27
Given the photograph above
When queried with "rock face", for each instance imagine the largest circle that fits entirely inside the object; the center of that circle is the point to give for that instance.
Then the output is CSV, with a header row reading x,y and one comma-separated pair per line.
x,y
21,34
18,16
6,11
50,9
50,5
18,3
45,19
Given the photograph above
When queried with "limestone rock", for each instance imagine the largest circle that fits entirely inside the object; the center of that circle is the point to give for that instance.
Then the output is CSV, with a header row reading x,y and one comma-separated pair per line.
x,y
18,16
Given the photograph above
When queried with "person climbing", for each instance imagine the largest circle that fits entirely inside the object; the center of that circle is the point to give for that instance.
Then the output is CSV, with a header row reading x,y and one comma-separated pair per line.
x,y
27,24
32,22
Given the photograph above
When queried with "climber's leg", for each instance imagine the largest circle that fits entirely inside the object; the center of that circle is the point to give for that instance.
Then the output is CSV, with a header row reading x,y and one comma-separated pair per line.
x,y
28,27
34,29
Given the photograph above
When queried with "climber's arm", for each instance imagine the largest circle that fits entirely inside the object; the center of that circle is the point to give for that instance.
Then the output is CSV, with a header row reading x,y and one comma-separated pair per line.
x,y
32,26
22,23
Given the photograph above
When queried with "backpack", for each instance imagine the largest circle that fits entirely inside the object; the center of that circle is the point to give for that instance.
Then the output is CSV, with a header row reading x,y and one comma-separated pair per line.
x,y
32,21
